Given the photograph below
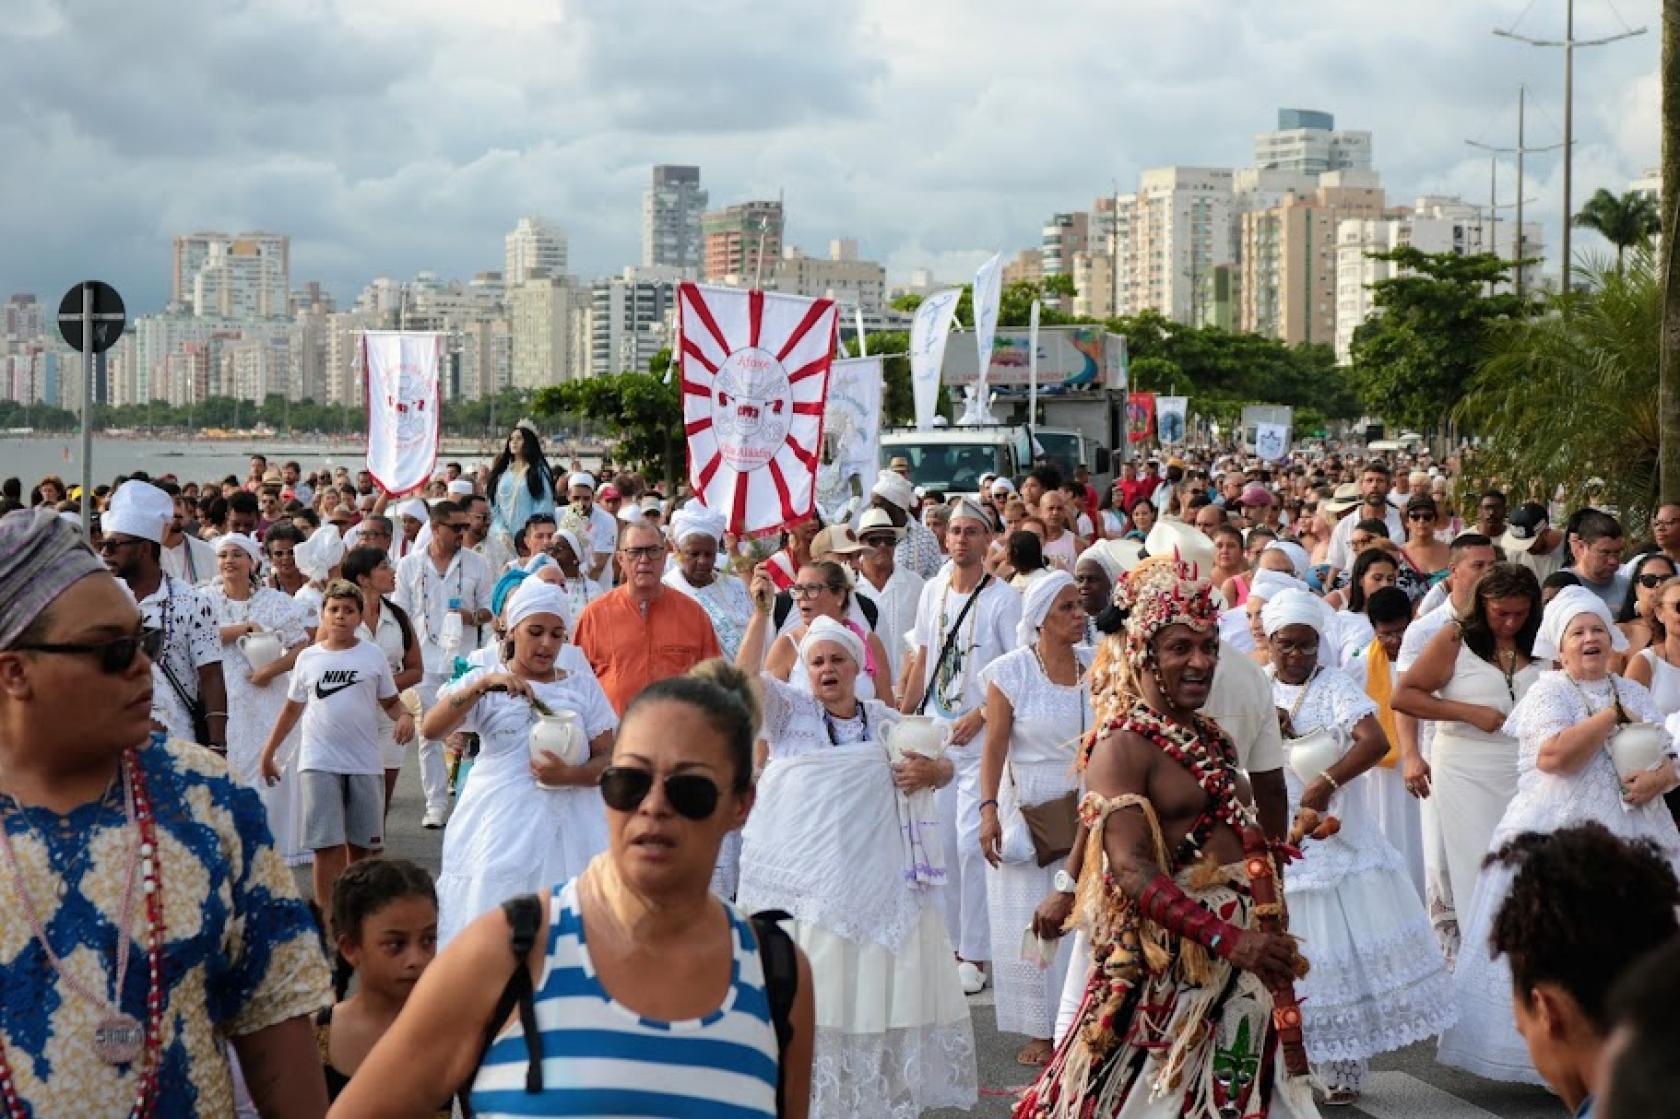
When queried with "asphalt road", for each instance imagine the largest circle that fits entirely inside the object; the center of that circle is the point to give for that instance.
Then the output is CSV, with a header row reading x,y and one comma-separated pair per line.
x,y
1402,1085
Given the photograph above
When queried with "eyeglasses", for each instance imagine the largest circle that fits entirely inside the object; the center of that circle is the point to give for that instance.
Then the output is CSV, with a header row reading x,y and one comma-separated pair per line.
x,y
115,656
1651,579
693,795
808,590
636,555
1420,515
880,540
110,545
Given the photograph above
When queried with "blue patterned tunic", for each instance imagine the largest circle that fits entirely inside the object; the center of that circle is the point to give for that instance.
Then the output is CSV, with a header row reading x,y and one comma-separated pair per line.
x,y
240,949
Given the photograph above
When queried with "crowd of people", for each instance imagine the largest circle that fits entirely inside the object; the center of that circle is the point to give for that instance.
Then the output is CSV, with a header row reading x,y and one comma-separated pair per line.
x,y
1227,780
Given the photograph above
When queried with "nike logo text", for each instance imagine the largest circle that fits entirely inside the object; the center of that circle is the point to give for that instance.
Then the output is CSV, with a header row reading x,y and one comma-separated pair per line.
x,y
335,681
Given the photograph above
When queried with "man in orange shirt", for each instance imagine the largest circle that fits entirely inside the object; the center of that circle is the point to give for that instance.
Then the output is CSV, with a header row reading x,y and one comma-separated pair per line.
x,y
643,631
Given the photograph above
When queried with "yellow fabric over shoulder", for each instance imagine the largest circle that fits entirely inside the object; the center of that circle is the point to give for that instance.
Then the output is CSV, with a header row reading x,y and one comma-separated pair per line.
x,y
1379,685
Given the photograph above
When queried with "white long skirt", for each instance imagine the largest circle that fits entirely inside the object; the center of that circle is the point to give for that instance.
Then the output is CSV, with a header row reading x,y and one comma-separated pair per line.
x,y
252,712
1027,995
1382,798
893,1033
1473,782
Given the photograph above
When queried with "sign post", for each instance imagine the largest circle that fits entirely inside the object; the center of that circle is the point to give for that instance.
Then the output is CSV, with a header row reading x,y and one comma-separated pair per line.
x,y
91,318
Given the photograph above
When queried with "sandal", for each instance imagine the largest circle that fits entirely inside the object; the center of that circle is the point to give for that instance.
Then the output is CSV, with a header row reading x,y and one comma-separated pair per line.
x,y
1340,1097
1035,1053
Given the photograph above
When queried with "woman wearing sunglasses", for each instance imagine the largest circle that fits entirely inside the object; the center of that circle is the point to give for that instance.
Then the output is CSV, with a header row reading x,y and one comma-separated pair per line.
x,y
652,996
1425,557
823,589
213,945
835,840
245,608
521,823
1634,618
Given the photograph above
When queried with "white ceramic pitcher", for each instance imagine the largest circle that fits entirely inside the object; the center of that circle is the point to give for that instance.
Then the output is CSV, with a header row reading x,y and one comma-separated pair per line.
x,y
916,734
261,649
559,737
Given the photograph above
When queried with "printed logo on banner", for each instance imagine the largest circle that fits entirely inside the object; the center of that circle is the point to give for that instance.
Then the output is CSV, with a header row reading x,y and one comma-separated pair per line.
x,y
751,407
405,395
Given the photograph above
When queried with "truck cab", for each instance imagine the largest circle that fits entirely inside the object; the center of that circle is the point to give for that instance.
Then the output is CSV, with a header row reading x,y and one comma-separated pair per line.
x,y
952,459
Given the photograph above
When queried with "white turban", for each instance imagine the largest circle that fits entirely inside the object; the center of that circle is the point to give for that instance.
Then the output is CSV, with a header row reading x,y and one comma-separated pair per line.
x,y
572,542
1298,558
537,596
1104,557
694,519
1294,608
460,487
1039,596
1571,603
415,508
241,541
581,478
825,629
323,551
1268,584
138,509
895,488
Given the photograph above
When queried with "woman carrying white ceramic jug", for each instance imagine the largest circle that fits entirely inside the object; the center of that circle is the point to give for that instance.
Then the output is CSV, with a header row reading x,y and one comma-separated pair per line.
x,y
835,841
1570,769
522,823
259,626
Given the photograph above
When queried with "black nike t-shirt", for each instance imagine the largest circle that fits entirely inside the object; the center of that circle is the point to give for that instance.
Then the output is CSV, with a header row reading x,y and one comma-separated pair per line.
x,y
341,691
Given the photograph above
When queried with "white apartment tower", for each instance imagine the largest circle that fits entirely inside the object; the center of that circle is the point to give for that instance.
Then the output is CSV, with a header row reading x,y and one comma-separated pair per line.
x,y
536,247
1306,140
671,209
1178,232
630,317
243,276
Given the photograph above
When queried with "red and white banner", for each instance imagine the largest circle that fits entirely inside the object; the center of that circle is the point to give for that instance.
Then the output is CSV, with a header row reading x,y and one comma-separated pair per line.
x,y
401,370
754,385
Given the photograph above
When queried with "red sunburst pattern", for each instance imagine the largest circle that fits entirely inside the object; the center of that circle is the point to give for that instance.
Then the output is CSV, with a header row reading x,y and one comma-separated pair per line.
x,y
754,370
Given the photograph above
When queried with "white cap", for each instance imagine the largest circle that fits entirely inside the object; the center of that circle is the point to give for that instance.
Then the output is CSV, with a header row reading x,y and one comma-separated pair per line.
x,y
138,509
461,487
581,478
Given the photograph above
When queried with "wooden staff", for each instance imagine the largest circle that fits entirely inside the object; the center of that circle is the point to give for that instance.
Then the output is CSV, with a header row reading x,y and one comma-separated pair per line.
x,y
1268,912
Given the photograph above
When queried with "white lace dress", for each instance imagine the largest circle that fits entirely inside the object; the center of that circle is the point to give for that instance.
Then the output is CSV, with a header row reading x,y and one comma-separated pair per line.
x,y
1486,1041
508,835
1378,982
829,841
1049,720
252,710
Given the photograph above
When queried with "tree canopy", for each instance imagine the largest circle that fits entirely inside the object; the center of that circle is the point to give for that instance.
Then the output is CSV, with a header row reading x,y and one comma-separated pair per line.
x,y
642,410
1413,360
1625,222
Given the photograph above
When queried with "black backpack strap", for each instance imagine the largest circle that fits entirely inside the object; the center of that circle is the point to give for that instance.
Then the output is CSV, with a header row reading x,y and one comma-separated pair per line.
x,y
780,611
524,917
781,986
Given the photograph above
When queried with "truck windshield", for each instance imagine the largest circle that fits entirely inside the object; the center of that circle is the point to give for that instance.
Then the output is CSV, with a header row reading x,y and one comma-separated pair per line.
x,y
952,467
1060,450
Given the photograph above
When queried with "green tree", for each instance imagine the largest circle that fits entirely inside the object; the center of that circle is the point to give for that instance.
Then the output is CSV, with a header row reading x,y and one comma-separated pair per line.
x,y
1412,361
1567,397
643,413
1624,222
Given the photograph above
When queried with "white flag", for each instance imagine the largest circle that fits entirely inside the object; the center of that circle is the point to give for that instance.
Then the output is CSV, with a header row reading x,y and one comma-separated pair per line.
x,y
402,402
754,382
928,332
1271,441
988,289
852,418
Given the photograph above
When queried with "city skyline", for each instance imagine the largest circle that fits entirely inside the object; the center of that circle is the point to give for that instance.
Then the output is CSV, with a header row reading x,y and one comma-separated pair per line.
x,y
389,138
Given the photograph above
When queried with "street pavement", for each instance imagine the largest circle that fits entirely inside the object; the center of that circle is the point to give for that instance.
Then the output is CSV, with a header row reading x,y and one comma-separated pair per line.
x,y
1404,1085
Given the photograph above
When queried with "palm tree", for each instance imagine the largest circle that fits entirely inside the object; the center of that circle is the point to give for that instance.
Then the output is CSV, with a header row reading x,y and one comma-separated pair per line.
x,y
1624,222
1571,395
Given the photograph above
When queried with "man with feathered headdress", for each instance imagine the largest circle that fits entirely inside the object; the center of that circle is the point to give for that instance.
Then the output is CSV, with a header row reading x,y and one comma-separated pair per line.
x,y
1177,1016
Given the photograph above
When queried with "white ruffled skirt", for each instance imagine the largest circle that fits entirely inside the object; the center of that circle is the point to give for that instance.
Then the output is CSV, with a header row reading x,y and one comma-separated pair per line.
x,y
893,1032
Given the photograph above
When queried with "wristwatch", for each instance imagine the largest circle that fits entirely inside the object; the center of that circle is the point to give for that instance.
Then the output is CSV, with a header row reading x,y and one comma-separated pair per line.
x,y
1064,882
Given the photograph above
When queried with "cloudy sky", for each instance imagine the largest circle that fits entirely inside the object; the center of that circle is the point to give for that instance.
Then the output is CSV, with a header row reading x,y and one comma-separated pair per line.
x,y
389,136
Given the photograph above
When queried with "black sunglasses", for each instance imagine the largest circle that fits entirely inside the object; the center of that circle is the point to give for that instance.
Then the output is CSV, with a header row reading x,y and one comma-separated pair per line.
x,y
115,656
1652,579
693,795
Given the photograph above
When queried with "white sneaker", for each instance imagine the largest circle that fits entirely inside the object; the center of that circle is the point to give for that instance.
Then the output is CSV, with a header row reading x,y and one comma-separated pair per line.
x,y
973,979
433,819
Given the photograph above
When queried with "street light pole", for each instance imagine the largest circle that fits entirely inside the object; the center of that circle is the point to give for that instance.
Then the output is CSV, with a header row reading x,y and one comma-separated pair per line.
x,y
1568,43
1493,203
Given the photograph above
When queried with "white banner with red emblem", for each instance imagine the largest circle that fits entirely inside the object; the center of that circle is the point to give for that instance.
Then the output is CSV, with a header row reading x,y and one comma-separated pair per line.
x,y
401,370
754,385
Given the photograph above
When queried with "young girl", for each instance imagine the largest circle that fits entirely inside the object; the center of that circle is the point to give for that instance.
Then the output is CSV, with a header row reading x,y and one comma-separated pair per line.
x,y
384,922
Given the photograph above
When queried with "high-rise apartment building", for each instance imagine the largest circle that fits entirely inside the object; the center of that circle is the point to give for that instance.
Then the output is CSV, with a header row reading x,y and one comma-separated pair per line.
x,y
1287,286
547,316
536,247
742,242
630,317
1178,229
671,210
1063,236
1306,140
243,276
848,281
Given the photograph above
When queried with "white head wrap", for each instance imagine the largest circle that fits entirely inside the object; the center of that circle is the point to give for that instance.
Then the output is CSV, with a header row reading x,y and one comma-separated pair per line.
x,y
415,508
1294,608
138,509
694,519
460,487
323,551
825,629
572,542
1268,584
537,596
1571,603
1298,558
581,478
895,488
1040,595
244,543
1104,558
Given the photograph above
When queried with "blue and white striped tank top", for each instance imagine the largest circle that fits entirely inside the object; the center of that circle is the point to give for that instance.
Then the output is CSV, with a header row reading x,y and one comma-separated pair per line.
x,y
601,1058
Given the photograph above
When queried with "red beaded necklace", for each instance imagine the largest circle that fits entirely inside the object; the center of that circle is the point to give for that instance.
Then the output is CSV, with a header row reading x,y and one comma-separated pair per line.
x,y
114,1036
1204,750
